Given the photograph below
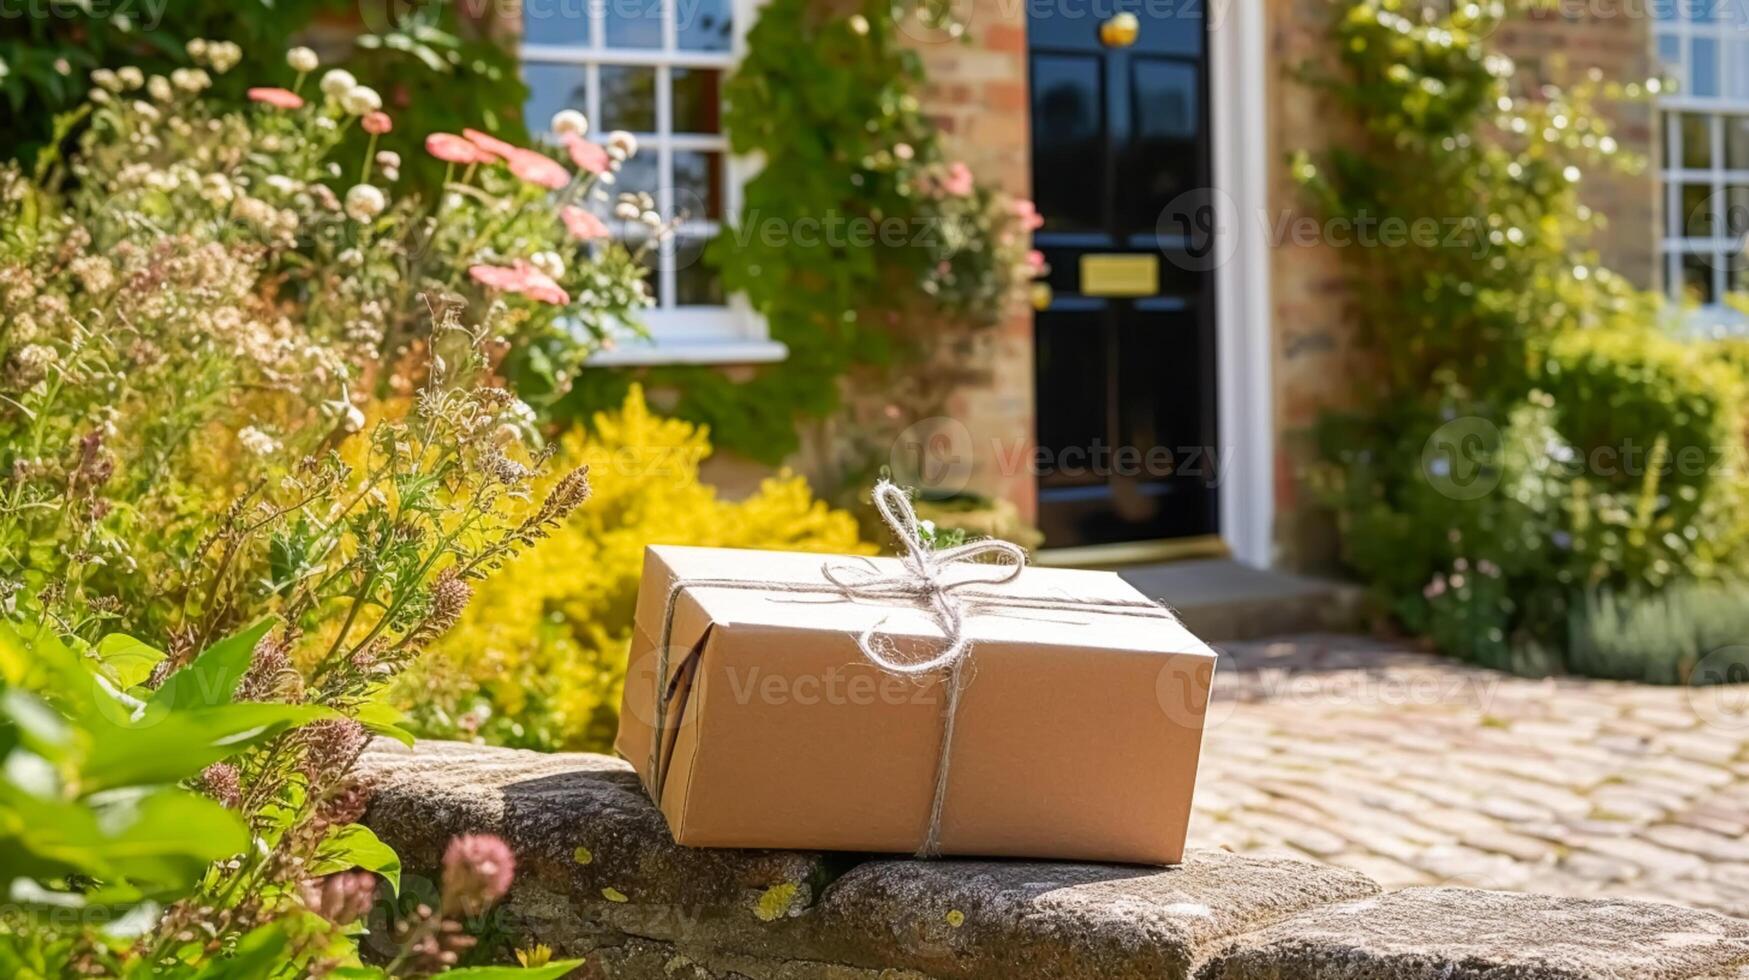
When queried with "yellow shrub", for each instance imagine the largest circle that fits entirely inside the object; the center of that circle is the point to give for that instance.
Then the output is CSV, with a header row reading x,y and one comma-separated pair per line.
x,y
539,657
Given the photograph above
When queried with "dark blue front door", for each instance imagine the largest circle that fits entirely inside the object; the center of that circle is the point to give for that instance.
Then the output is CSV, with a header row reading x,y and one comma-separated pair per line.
x,y
1126,346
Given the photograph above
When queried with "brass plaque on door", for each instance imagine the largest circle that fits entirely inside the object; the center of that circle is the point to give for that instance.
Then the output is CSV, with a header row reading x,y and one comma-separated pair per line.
x,y
1120,275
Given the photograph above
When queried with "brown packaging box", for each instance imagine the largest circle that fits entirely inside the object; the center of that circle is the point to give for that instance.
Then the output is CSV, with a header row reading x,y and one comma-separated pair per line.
x,y
1076,736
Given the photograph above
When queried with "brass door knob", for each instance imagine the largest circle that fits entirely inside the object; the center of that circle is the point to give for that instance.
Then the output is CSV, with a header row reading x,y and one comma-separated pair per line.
x,y
1120,30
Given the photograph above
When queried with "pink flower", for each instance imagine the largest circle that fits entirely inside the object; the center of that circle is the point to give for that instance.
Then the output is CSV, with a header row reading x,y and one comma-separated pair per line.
x,y
477,871
491,144
1028,214
378,123
540,286
521,278
451,148
583,225
537,168
1035,260
496,276
958,181
279,98
586,155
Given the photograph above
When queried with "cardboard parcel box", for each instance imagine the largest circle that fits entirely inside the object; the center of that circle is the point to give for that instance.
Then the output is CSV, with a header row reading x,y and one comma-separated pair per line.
x,y
1076,734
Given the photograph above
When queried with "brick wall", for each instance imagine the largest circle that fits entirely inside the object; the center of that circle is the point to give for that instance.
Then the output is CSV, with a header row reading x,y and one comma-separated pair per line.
x,y
1319,362
978,96
1560,46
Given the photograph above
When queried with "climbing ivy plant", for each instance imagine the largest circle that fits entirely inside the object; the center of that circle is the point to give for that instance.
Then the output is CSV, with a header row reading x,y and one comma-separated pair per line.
x,y
857,240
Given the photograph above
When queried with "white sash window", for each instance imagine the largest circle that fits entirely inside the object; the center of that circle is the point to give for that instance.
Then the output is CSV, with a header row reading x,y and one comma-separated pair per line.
x,y
655,68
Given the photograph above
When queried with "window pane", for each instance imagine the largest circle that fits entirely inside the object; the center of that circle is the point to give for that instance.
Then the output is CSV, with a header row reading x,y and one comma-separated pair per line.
x,y
695,281
1701,11
555,21
1737,273
698,186
698,100
638,174
628,98
1697,278
704,25
1736,142
551,88
1736,211
1670,54
1703,67
1697,142
1736,80
1697,211
633,23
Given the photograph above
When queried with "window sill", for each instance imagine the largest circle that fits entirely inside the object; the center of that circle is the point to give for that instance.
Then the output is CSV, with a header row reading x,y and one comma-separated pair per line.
x,y
736,350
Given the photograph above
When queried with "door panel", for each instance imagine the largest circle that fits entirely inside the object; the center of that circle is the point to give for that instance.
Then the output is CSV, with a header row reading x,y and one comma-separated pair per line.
x,y
1125,383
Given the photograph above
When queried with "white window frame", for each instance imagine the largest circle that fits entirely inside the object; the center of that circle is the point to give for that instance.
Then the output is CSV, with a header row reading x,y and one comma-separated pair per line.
x,y
731,334
1674,244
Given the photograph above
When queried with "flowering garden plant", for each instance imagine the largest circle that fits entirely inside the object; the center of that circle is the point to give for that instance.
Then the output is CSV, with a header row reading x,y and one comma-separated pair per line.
x,y
256,452
515,232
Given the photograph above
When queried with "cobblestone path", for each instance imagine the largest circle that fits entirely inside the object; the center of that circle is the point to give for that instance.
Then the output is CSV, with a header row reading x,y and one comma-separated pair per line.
x,y
1418,770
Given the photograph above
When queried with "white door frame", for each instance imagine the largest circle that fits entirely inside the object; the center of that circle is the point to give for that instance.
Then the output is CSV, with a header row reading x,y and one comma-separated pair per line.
x,y
1238,108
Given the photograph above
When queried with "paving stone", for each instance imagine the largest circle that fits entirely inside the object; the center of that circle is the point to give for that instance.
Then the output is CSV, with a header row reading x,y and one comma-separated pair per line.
x,y
1575,765
1651,858
1516,846
1699,842
1592,866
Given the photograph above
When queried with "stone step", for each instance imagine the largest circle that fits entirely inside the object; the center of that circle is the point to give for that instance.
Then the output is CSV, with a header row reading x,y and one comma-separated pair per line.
x,y
1222,600
598,876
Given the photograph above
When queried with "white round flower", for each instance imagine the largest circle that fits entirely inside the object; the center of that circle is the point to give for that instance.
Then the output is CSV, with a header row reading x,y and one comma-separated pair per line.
x,y
625,211
353,420
337,82
548,262
361,100
196,49
130,77
190,79
224,55
623,141
569,122
158,87
388,158
256,441
302,60
364,202
106,79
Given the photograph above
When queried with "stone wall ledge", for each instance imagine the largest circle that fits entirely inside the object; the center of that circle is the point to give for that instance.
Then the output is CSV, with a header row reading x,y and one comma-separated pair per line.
x,y
599,876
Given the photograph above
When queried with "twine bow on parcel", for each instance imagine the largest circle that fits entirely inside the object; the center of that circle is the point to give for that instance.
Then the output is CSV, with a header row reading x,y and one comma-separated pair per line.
x,y
923,584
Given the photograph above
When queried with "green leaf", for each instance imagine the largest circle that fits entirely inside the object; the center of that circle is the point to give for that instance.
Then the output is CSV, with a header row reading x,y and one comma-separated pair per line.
x,y
356,846
551,971
166,748
259,954
169,837
384,718
128,660
213,676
